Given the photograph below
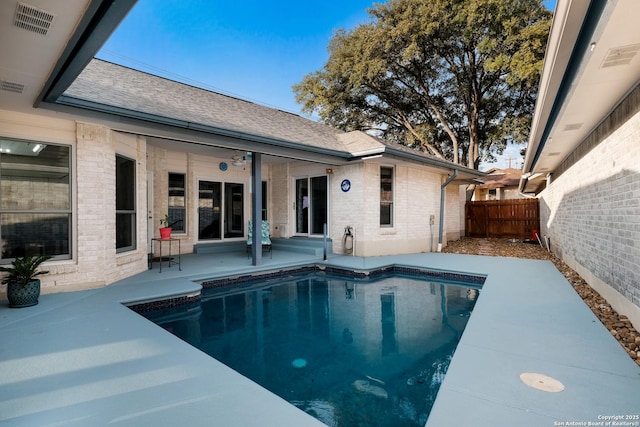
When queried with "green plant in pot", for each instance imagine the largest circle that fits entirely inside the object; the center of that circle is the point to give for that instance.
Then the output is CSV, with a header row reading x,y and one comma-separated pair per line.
x,y
23,289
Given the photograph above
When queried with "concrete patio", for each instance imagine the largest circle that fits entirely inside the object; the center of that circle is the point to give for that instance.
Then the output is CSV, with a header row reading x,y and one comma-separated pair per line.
x,y
84,359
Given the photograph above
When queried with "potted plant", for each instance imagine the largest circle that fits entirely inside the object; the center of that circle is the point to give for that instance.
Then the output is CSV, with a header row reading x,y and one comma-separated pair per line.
x,y
165,230
23,289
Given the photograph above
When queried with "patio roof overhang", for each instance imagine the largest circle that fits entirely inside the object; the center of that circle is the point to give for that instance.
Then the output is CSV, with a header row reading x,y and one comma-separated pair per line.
x,y
46,44
180,131
98,22
377,148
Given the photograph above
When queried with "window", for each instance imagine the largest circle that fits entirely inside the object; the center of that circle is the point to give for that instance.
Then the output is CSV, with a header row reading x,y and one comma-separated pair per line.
x,y
177,202
125,204
35,199
386,196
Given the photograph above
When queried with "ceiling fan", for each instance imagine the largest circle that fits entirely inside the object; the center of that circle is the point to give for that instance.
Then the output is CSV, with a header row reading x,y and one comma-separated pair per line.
x,y
238,160
241,159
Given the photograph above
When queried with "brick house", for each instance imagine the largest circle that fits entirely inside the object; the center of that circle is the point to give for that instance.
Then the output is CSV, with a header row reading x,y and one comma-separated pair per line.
x,y
583,156
93,154
498,184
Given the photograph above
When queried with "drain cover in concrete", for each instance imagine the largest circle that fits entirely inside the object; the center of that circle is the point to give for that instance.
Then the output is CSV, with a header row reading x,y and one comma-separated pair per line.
x,y
541,382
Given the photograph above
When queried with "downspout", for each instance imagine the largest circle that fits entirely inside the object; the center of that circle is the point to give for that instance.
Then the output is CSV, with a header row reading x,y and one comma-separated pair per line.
x,y
442,189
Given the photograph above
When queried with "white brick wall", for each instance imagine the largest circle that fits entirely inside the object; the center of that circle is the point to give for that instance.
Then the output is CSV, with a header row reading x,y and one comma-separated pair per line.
x,y
95,262
347,208
454,213
591,211
416,197
280,210
197,168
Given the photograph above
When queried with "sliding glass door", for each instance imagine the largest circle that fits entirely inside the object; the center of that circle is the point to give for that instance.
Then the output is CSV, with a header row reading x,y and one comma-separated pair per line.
x,y
209,210
311,205
233,210
220,210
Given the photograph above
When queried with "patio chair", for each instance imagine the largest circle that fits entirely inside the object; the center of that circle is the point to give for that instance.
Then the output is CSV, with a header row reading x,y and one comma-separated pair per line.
x,y
265,238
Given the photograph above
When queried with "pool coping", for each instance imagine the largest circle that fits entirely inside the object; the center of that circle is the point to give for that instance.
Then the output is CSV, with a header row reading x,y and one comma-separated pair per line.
x,y
154,378
145,305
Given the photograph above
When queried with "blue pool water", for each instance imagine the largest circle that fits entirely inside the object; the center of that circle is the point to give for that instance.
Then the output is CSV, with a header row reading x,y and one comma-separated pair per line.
x,y
348,352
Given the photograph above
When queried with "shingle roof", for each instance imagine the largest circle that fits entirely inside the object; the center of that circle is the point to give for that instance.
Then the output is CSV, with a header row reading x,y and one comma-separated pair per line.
x,y
500,178
124,88
106,86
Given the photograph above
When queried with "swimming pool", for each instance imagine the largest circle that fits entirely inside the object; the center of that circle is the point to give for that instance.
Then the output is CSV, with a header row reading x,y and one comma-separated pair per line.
x,y
349,352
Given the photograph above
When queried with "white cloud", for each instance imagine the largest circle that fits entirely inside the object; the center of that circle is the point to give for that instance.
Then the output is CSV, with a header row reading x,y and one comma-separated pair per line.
x,y
510,157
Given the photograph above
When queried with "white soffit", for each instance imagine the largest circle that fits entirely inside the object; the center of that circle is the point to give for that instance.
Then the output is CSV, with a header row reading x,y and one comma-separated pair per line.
x,y
565,28
611,68
34,34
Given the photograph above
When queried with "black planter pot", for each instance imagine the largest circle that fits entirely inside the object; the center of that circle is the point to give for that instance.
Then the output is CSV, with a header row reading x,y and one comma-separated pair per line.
x,y
23,296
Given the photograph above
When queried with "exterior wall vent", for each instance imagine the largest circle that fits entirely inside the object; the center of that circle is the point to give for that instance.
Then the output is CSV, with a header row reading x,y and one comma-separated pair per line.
x,y
573,126
11,86
620,55
33,19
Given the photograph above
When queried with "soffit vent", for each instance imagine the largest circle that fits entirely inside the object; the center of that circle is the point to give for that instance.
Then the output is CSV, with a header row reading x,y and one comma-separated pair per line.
x,y
11,86
573,126
33,19
620,55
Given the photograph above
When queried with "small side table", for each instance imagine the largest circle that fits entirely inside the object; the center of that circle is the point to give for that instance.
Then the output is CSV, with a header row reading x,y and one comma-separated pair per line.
x,y
170,261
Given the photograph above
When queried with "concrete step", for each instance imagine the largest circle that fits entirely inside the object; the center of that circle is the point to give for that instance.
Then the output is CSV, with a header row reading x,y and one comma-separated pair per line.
x,y
219,247
299,245
302,245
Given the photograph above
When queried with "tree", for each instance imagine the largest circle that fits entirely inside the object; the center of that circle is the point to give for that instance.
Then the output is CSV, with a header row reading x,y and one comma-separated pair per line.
x,y
455,78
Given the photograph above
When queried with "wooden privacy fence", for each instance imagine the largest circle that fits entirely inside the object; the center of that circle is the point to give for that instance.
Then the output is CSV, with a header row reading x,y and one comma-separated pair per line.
x,y
515,218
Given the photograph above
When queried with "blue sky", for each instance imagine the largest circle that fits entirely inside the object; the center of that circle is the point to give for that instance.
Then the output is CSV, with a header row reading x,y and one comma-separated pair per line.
x,y
253,49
